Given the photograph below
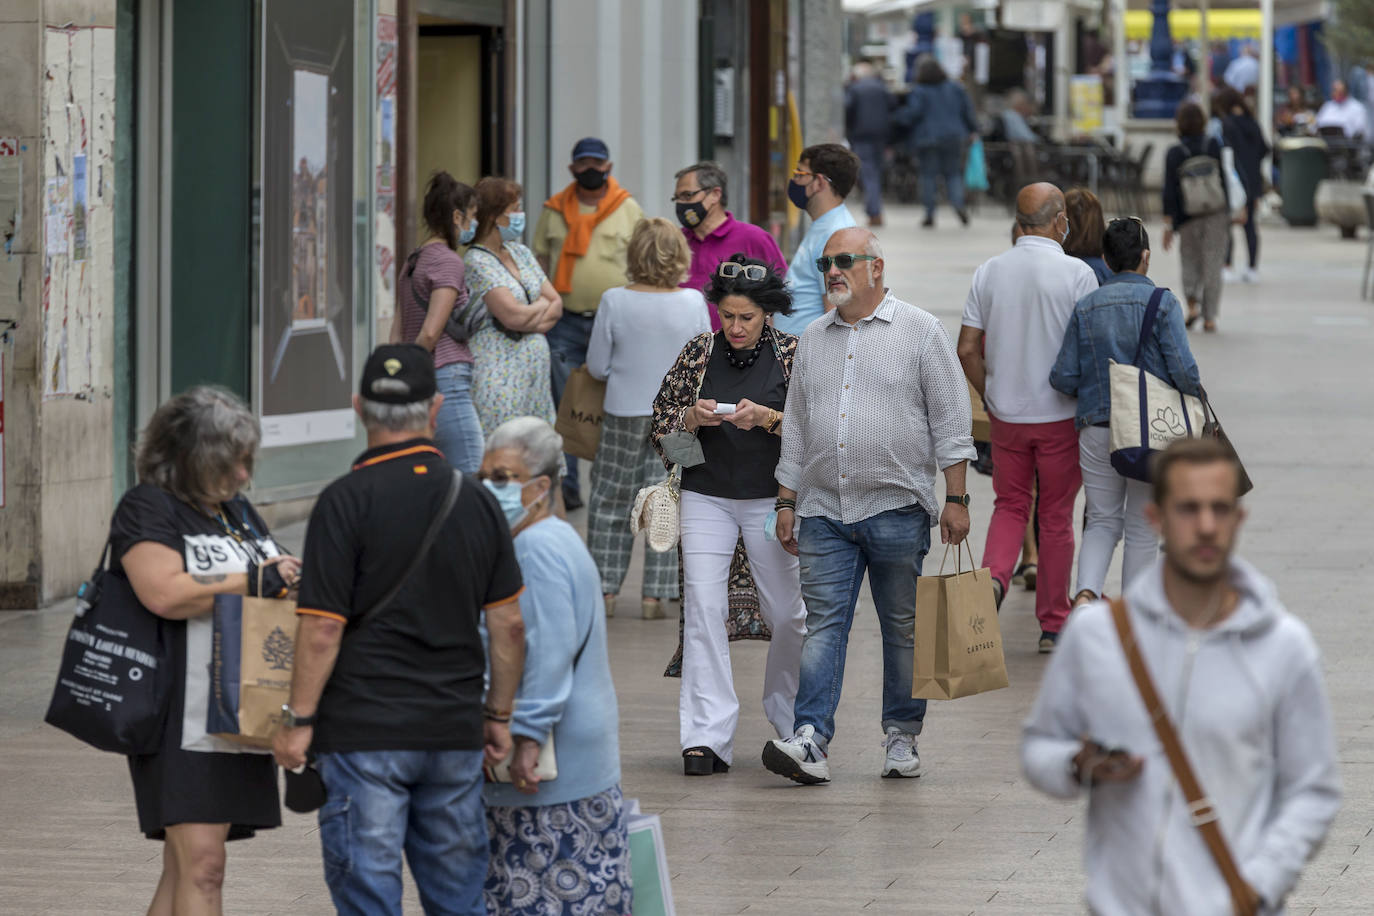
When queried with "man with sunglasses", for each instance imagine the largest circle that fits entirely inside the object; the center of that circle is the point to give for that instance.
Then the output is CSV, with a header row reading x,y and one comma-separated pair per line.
x,y
877,409
712,232
1018,306
823,178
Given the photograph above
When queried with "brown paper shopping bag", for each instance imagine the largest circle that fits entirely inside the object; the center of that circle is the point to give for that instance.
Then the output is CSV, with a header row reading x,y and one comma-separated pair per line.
x,y
254,652
580,414
958,641
982,427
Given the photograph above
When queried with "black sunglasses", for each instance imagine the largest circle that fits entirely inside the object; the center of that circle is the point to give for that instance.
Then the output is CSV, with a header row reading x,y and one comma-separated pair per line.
x,y
842,261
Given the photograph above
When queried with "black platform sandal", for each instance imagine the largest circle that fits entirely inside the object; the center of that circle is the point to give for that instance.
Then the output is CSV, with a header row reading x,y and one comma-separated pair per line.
x,y
702,761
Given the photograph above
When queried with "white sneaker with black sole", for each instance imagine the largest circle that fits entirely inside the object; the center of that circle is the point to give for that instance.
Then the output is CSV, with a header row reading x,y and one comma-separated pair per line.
x,y
800,758
902,760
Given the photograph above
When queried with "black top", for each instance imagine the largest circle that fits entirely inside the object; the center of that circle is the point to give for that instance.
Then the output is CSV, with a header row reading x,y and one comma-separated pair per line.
x,y
208,545
739,463
1186,148
411,678
1243,135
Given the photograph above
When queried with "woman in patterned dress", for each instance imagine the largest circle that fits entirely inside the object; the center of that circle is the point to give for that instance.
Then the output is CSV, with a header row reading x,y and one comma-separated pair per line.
x,y
511,372
558,845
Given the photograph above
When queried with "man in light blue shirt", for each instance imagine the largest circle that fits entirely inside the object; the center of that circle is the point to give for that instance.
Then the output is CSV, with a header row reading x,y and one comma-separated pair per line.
x,y
824,176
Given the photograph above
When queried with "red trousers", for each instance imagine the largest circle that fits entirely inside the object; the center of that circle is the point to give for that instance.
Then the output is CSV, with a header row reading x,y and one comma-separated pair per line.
x,y
1025,455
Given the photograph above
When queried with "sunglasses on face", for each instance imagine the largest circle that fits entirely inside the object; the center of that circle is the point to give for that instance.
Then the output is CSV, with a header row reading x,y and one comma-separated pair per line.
x,y
730,270
842,261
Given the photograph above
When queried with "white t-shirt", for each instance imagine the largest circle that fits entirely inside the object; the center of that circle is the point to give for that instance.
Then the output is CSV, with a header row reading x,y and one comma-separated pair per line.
x,y
635,340
1022,301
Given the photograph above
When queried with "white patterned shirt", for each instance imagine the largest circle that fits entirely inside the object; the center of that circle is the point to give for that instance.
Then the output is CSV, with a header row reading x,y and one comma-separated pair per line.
x,y
874,411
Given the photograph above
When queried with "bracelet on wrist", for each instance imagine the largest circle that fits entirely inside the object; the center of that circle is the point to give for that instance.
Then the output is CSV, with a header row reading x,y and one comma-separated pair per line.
x,y
496,715
784,503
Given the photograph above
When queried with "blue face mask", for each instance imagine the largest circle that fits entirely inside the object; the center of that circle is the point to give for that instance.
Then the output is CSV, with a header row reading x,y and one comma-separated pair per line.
x,y
770,526
515,230
508,498
467,235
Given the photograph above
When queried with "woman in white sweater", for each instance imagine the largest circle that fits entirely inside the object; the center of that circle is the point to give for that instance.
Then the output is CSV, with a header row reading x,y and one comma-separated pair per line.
x,y
638,333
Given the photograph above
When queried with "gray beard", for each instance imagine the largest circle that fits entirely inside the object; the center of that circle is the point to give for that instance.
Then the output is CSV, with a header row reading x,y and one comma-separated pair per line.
x,y
839,299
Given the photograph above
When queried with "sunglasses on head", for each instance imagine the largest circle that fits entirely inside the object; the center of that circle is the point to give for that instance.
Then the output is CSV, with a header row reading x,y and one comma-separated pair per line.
x,y
732,269
842,261
1139,224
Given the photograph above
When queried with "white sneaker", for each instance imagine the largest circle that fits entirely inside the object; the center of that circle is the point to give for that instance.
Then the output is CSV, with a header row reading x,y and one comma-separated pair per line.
x,y
800,758
902,759
1228,275
1250,276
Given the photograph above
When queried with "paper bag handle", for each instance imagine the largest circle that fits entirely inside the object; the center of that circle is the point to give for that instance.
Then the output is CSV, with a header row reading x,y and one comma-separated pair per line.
x,y
958,557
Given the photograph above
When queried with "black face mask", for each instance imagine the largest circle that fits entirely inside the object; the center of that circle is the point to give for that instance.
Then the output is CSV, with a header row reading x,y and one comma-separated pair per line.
x,y
691,215
591,179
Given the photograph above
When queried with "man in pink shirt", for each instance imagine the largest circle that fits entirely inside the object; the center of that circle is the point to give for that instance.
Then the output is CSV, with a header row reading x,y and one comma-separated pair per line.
x,y
713,234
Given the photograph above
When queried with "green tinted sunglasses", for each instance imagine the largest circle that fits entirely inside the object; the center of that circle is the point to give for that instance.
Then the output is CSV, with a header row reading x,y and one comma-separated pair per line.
x,y
842,261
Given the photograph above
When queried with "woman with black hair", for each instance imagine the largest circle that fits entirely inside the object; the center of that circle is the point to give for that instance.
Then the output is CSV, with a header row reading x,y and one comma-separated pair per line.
x,y
719,415
432,286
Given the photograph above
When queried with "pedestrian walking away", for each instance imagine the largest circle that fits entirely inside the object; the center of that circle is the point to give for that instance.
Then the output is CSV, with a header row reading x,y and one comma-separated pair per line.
x,y
823,178
386,692
581,239
712,232
1105,328
868,122
558,839
638,333
1018,306
1201,217
180,537
1192,715
941,119
511,377
719,414
433,286
876,410
1242,133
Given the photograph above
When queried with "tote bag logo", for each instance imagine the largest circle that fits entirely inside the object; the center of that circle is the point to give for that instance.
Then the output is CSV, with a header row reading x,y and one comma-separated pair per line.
x,y
1167,425
976,623
278,650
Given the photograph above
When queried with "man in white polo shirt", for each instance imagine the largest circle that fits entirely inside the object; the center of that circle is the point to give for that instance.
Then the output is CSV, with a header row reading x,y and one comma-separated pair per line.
x,y
1013,325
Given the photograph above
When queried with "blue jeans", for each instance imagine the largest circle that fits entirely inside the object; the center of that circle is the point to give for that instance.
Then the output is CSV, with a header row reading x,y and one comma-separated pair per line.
x,y
568,341
458,434
944,158
870,153
425,803
891,547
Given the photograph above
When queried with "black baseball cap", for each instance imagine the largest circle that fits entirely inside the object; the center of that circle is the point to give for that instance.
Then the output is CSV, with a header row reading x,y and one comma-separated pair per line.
x,y
591,148
398,374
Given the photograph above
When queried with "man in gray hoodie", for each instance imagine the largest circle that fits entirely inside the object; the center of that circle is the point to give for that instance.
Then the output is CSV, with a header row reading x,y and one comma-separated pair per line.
x,y
1241,680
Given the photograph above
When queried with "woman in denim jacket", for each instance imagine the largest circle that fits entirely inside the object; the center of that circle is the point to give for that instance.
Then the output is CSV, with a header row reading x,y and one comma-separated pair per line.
x,y
1106,326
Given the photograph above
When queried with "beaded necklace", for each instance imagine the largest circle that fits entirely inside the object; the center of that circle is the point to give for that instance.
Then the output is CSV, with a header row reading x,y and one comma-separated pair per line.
x,y
744,362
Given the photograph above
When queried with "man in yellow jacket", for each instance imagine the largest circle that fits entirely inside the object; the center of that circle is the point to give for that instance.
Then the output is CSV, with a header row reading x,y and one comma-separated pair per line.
x,y
581,240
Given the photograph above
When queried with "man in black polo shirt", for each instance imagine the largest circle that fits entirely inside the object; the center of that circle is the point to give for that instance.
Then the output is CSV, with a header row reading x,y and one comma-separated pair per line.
x,y
392,707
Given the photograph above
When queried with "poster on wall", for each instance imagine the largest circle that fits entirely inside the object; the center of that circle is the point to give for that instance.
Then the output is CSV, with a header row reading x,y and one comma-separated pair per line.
x,y
305,361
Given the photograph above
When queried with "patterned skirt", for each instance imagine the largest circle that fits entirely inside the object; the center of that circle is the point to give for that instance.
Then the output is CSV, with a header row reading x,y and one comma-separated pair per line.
x,y
571,859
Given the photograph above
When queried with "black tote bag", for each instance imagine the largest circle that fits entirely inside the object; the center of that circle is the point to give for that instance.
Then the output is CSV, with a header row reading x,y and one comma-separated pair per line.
x,y
113,685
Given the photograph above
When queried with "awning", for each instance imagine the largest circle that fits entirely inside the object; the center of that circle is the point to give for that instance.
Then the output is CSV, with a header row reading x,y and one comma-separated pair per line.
x,y
1186,24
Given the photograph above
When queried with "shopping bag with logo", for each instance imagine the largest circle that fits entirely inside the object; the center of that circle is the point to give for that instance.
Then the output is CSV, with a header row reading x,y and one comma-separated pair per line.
x,y
1147,412
113,685
958,640
653,890
250,674
580,414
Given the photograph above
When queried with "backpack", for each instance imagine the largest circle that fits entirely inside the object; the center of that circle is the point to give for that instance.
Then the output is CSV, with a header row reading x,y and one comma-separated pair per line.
x,y
1199,182
465,319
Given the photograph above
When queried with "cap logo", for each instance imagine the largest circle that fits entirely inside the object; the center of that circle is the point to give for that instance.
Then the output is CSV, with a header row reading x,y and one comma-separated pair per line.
x,y
392,366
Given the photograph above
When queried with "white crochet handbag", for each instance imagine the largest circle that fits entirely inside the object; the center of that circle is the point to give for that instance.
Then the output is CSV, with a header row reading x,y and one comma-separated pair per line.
x,y
655,512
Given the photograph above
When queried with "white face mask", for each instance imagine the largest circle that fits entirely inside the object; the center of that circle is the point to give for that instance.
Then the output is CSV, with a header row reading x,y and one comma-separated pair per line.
x,y
1065,237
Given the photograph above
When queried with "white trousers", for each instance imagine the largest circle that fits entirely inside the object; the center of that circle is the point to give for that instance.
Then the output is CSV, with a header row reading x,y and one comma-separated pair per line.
x,y
707,706
1115,504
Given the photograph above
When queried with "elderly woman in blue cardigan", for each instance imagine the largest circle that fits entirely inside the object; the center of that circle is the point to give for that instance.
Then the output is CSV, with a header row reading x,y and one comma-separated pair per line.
x,y
558,845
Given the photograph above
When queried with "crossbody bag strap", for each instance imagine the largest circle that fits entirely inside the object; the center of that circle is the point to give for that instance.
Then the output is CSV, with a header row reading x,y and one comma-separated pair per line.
x,y
1200,808
1147,326
451,497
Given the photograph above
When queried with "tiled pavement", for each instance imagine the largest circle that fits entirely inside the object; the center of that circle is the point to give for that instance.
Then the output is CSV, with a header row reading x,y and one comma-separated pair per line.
x,y
1291,374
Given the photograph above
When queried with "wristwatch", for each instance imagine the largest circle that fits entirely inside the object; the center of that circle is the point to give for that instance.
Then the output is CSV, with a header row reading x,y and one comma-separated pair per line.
x,y
290,719
958,500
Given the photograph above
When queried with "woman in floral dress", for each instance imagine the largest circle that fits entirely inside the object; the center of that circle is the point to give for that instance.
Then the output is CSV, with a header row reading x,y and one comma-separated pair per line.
x,y
511,372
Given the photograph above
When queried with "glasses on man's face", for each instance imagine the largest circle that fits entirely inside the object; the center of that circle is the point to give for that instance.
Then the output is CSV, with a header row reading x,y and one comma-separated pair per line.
x,y
842,261
732,269
804,175
685,197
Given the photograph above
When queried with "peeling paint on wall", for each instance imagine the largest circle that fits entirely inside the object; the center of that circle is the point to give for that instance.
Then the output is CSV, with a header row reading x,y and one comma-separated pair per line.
x,y
78,209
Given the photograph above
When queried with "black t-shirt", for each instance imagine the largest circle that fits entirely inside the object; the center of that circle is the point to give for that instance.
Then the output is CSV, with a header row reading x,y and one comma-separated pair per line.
x,y
739,463
411,677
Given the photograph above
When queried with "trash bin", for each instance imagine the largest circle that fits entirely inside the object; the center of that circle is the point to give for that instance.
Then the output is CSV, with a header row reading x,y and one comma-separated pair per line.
x,y
1302,165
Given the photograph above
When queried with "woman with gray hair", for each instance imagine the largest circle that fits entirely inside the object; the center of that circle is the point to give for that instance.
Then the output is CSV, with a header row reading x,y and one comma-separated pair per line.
x,y
182,536
558,842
